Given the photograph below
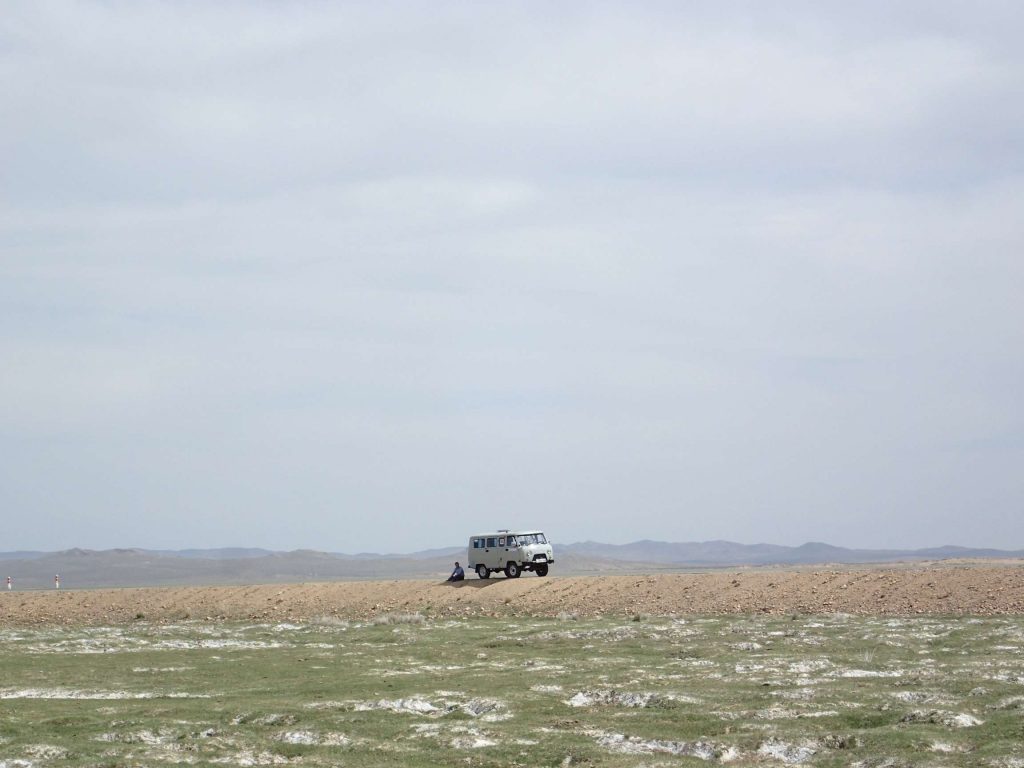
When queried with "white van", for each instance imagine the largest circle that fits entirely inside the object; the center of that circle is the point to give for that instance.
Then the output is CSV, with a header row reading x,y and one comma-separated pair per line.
x,y
510,551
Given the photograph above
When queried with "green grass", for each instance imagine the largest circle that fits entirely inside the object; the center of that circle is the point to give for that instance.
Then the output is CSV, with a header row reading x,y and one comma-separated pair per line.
x,y
819,691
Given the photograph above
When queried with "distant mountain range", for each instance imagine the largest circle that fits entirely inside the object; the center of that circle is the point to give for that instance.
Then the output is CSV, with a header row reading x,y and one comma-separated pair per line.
x,y
723,553
82,568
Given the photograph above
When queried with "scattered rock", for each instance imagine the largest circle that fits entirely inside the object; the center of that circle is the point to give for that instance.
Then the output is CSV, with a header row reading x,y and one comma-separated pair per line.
x,y
967,587
939,717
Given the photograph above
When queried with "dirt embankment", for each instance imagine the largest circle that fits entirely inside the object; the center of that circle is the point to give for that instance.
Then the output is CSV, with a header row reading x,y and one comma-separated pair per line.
x,y
945,590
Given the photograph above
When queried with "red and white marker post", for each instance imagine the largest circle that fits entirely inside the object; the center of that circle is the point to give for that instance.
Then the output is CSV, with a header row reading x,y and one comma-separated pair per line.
x,y
56,581
10,581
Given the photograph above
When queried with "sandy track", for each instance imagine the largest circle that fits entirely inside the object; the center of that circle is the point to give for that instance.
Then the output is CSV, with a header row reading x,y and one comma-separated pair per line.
x,y
975,590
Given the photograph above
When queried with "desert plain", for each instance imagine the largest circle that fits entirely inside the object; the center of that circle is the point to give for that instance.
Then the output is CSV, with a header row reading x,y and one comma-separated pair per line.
x,y
905,667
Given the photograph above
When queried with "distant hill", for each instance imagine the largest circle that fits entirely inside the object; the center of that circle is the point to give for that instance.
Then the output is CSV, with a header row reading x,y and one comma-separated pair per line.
x,y
239,553
725,553
226,553
83,568
23,555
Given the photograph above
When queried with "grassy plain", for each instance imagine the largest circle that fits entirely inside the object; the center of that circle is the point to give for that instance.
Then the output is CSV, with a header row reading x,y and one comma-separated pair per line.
x,y
407,690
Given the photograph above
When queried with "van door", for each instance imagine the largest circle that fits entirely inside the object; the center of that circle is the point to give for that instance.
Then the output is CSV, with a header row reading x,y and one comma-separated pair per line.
x,y
491,551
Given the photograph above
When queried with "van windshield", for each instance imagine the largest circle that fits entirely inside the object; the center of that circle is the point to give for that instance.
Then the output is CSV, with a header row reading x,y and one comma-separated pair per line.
x,y
531,538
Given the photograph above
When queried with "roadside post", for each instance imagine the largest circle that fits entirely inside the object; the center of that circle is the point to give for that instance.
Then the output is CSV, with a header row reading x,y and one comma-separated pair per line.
x,y
9,583
56,581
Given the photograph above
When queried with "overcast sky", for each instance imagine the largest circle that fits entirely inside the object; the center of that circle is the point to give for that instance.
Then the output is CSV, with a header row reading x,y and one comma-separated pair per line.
x,y
376,276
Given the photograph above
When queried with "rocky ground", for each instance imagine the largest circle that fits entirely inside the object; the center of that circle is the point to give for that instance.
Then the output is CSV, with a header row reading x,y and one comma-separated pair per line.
x,y
939,588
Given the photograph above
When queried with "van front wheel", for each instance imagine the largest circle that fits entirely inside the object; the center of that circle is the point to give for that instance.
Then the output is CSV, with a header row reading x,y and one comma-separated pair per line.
x,y
542,570
482,572
512,570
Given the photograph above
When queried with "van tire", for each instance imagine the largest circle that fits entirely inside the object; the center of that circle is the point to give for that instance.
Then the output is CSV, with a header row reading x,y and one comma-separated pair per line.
x,y
542,570
512,570
482,572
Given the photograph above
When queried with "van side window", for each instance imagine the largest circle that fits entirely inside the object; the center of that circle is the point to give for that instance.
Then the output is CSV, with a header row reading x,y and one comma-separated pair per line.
x,y
478,543
511,541
491,541
501,542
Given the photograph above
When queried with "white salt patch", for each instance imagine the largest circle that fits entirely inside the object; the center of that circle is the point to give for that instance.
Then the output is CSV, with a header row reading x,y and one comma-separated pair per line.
x,y
797,694
543,666
790,754
780,713
949,719
963,720
546,688
617,699
615,634
228,644
1008,677
268,719
470,738
1010,702
472,742
70,693
416,670
871,673
488,710
329,704
920,697
589,698
634,745
148,737
109,640
299,737
312,738
775,713
426,729
46,752
413,705
248,758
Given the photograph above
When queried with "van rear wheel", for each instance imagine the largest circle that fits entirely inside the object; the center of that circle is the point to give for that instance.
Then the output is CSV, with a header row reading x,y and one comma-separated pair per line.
x,y
512,570
482,572
542,570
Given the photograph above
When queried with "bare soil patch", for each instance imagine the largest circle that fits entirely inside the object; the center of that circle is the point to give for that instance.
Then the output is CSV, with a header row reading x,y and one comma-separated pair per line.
x,y
939,589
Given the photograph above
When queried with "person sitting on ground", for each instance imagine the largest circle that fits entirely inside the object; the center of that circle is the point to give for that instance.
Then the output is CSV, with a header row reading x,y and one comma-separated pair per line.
x,y
457,574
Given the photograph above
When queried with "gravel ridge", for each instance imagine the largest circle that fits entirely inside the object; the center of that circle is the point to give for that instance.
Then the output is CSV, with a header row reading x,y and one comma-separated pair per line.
x,y
936,589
